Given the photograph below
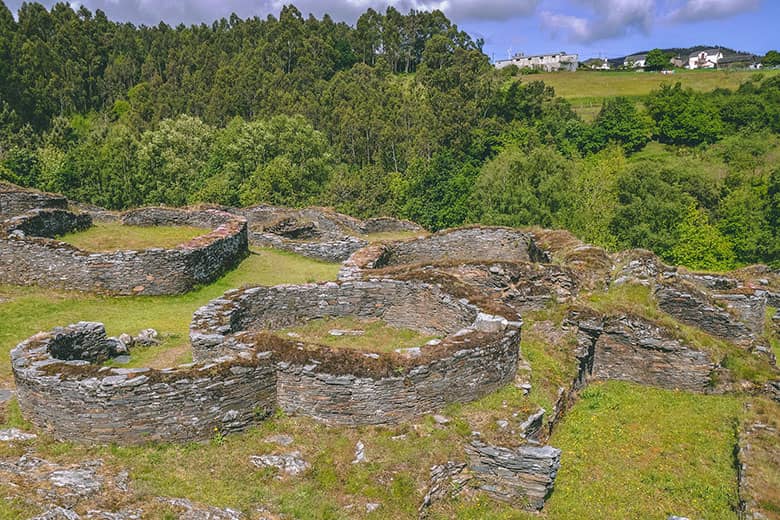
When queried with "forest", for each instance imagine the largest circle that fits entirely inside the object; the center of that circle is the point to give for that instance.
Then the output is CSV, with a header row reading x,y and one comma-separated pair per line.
x,y
400,114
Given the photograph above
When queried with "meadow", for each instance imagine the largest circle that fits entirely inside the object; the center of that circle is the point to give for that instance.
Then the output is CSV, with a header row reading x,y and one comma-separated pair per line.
x,y
586,90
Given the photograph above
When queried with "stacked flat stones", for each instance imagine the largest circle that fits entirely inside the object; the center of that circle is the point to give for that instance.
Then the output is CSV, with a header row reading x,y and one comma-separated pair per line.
x,y
478,355
242,374
30,255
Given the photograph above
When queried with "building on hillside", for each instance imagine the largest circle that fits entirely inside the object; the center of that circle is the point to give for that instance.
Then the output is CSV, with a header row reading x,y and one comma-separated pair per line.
x,y
635,61
678,62
597,64
706,59
547,62
740,61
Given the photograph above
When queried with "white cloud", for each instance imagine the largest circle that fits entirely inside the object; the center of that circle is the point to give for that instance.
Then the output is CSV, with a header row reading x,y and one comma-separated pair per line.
x,y
610,19
699,10
193,11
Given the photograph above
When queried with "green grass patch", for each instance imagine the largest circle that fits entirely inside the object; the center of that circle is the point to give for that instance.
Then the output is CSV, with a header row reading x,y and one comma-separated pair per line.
x,y
634,452
11,416
117,237
28,310
358,334
590,85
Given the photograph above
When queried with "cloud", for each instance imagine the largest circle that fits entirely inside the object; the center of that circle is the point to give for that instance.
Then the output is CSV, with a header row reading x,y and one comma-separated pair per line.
x,y
610,19
699,10
150,12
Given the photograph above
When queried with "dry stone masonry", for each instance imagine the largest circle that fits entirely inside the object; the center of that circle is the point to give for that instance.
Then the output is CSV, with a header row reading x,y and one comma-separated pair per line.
x,y
495,244
523,476
64,391
15,201
29,255
318,233
478,355
241,377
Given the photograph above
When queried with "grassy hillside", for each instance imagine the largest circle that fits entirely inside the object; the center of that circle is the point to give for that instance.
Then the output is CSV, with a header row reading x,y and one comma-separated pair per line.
x,y
587,89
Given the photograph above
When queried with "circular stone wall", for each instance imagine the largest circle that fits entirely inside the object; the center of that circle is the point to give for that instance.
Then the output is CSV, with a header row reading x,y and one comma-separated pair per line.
x,y
470,244
64,392
478,354
319,233
15,200
243,373
30,256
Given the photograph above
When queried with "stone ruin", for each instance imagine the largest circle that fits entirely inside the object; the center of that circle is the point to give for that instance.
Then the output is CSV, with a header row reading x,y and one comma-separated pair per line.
x,y
242,372
314,232
470,285
30,254
15,201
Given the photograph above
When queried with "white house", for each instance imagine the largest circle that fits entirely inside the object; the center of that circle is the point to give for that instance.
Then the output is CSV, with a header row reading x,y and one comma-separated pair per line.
x,y
706,59
545,62
635,61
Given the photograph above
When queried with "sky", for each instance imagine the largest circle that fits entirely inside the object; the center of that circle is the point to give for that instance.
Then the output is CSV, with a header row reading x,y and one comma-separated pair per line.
x,y
591,28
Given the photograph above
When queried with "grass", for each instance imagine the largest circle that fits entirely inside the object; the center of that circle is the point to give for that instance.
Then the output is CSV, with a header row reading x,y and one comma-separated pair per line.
x,y
628,451
585,84
115,237
29,310
587,90
633,452
375,335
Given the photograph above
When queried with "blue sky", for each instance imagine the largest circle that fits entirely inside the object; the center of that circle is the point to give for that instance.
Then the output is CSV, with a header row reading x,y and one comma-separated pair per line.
x,y
588,27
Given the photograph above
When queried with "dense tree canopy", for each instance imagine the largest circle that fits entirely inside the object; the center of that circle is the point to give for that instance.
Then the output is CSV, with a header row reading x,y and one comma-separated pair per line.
x,y
400,114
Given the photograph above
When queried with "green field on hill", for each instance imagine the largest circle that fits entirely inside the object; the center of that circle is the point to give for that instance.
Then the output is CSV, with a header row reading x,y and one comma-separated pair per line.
x,y
586,90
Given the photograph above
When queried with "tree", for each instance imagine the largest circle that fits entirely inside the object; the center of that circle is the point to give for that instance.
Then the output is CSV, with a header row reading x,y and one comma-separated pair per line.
x,y
172,160
699,244
649,210
619,121
771,59
683,116
657,59
520,189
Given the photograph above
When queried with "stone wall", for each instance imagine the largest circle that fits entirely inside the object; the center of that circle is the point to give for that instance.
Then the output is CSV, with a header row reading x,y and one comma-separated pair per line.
x,y
353,399
519,286
523,476
315,232
343,386
633,349
469,244
692,306
630,348
15,201
62,392
47,223
241,375
334,249
34,260
417,306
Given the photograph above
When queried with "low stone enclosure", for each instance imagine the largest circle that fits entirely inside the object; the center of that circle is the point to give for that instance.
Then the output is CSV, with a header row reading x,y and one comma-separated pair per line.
x,y
315,232
243,372
31,255
15,200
